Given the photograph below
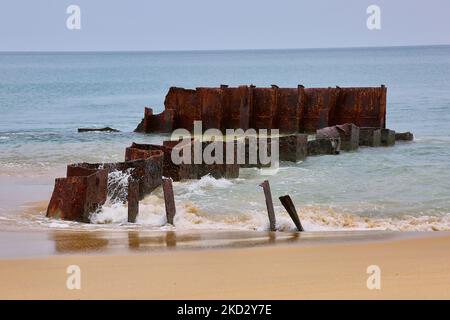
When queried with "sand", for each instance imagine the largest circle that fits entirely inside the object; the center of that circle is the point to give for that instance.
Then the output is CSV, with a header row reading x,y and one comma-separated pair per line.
x,y
411,268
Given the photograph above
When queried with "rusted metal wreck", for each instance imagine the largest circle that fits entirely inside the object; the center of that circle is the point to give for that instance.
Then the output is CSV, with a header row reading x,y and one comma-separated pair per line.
x,y
341,118
288,109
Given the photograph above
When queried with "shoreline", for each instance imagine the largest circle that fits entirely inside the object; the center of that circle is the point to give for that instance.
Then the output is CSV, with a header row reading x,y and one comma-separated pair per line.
x,y
36,241
222,264
34,244
133,263
411,268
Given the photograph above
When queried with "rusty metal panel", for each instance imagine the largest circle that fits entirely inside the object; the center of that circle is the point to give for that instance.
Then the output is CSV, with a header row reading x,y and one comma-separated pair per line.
x,y
235,108
263,108
211,107
186,105
162,122
288,111
75,197
320,102
364,107
133,200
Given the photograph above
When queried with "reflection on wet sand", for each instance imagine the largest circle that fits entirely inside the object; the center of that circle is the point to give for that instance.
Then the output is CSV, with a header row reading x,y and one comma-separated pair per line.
x,y
67,242
20,244
138,241
71,242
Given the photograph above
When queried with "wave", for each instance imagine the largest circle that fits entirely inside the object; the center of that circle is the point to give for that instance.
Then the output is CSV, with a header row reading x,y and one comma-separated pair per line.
x,y
192,214
314,218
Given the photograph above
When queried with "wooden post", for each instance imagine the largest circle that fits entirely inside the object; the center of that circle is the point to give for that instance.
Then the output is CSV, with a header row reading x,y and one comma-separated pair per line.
x,y
265,185
133,200
286,201
169,199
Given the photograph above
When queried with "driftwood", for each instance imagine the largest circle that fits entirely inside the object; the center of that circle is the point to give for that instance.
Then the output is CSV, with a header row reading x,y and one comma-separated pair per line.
x,y
287,203
105,129
269,203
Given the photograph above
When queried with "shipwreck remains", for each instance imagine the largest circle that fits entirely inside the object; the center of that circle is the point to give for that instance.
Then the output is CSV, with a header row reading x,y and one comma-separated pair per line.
x,y
269,204
369,137
86,187
83,191
288,109
105,129
288,204
317,121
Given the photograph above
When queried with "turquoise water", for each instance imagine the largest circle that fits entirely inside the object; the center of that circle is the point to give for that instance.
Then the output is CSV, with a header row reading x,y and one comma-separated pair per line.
x,y
44,98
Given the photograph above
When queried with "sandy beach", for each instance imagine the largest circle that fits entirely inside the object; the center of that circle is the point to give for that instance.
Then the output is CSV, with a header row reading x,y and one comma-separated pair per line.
x,y
202,151
413,267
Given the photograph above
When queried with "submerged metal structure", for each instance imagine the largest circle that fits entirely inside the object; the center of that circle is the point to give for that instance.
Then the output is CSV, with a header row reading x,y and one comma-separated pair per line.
x,y
341,118
85,188
290,110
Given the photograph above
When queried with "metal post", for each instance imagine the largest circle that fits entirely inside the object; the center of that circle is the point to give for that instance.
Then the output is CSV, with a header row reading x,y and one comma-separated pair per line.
x,y
169,199
286,201
269,203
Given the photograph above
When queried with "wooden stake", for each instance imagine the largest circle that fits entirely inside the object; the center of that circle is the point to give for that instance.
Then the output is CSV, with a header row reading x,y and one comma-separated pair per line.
x,y
286,201
269,203
169,199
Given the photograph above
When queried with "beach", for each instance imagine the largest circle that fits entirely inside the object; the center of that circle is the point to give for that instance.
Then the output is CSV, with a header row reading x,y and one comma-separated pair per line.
x,y
413,266
400,188
258,153
387,207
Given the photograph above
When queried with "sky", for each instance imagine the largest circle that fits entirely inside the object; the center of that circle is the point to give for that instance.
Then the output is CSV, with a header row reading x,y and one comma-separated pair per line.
x,y
110,25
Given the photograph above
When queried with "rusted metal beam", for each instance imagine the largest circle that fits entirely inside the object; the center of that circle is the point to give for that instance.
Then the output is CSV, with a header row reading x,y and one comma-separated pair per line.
x,y
169,200
287,203
269,204
133,200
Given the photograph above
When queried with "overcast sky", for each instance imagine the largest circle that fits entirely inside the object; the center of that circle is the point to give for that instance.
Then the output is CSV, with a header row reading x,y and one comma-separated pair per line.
x,y
40,25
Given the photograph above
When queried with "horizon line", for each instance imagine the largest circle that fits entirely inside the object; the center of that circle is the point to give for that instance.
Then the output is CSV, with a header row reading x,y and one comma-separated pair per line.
x,y
223,50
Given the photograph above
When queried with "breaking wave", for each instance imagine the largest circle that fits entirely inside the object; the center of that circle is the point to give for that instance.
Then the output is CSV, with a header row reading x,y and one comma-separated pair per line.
x,y
116,198
191,216
210,204
118,186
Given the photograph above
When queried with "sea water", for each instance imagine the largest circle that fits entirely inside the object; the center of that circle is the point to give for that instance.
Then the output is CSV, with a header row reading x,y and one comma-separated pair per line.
x,y
45,97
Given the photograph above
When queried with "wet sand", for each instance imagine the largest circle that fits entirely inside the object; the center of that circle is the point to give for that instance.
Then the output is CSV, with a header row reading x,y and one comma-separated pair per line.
x,y
413,265
45,243
212,264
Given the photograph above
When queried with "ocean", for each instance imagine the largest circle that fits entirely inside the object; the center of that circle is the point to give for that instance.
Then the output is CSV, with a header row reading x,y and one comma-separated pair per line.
x,y
45,97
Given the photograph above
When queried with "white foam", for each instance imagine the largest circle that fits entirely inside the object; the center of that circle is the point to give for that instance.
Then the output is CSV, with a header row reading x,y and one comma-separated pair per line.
x,y
199,187
190,215
118,185
58,225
